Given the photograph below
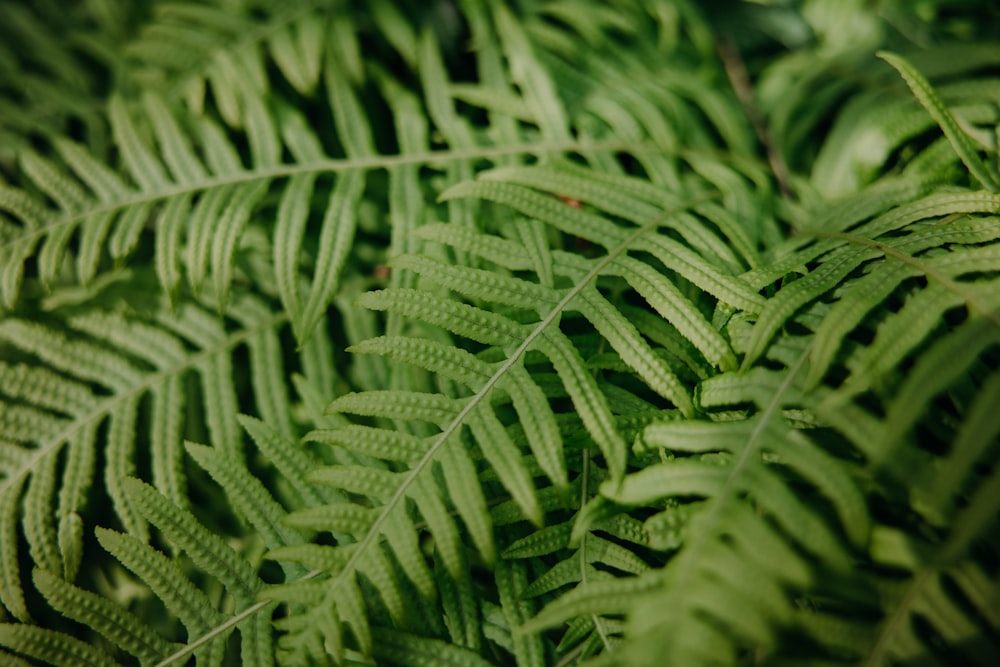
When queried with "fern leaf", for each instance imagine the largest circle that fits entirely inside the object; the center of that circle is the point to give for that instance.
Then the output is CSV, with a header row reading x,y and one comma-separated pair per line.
x,y
785,303
936,594
504,458
339,222
447,538
116,624
625,339
69,535
298,52
960,348
455,364
602,232
252,188
533,204
627,197
680,478
147,170
474,323
357,479
374,442
208,550
420,406
539,93
564,573
468,500
481,284
334,244
266,366
43,542
409,650
755,580
289,231
936,107
591,403
544,541
506,253
341,517
168,242
539,424
938,499
876,287
121,457
187,49
387,580
13,660
247,495
180,158
676,309
11,591
51,647
512,578
607,596
459,605
229,226
405,543
291,461
461,366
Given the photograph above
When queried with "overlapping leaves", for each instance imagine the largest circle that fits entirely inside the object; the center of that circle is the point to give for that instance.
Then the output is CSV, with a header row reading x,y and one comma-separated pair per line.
x,y
600,403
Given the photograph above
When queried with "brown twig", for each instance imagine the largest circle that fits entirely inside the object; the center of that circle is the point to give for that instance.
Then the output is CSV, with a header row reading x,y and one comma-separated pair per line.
x,y
739,78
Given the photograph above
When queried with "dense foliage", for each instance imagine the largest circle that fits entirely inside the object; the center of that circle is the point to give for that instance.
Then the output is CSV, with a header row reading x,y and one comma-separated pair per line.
x,y
450,332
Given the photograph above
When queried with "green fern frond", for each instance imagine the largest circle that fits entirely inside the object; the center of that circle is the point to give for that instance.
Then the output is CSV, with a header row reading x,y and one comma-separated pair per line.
x,y
247,495
120,628
835,263
935,106
65,391
54,60
168,582
51,647
208,550
713,461
450,414
193,49
940,587
400,648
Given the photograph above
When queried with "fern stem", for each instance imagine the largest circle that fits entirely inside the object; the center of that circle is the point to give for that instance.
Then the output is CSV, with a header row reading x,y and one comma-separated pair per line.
x,y
232,622
755,441
901,615
584,497
330,165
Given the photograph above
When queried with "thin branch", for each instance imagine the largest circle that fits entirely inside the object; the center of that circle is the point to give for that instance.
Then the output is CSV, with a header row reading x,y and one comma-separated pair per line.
x,y
739,78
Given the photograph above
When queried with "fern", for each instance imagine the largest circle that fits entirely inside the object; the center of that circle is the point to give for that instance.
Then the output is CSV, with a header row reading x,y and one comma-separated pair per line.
x,y
469,333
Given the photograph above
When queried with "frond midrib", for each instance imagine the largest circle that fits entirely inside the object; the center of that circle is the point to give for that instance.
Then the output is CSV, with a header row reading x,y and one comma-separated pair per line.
x,y
898,617
330,165
687,575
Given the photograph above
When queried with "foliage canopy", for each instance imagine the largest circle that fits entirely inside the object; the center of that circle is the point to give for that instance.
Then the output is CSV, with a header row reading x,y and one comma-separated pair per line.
x,y
642,332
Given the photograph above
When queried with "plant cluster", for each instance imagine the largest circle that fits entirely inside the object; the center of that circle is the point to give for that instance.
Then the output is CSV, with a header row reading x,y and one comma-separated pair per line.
x,y
548,332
